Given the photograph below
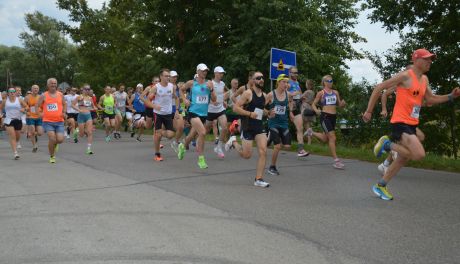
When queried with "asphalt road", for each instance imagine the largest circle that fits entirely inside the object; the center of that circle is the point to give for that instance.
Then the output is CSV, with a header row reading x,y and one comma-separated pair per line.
x,y
118,206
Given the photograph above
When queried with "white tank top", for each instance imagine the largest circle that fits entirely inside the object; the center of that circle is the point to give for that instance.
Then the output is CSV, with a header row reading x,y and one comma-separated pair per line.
x,y
69,99
13,110
219,89
164,98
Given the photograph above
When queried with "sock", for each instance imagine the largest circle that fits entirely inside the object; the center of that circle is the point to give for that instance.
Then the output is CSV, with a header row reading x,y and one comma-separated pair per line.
x,y
382,183
89,146
386,163
299,147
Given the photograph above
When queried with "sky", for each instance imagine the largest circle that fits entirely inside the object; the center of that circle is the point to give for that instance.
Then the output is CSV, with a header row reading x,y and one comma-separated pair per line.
x,y
12,23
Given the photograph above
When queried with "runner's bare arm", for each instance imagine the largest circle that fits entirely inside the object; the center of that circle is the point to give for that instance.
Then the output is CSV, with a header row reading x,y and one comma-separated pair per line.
x,y
184,88
74,103
101,99
432,99
245,98
384,100
213,93
238,92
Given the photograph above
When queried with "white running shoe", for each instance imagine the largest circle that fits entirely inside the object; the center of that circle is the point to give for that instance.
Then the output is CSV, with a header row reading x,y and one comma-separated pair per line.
x,y
382,168
308,133
18,146
261,183
174,145
229,143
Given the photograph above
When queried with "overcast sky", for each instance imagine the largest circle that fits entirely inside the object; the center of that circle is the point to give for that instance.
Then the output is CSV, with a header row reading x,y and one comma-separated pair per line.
x,y
12,23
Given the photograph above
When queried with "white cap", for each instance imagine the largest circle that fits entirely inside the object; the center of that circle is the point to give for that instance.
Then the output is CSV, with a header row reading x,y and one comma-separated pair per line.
x,y
139,85
173,74
219,69
202,67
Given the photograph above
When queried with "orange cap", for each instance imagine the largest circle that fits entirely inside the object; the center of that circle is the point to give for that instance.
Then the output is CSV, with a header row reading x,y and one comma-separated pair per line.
x,y
422,53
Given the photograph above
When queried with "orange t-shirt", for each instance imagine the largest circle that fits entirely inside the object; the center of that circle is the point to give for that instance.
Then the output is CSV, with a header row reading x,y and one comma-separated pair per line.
x,y
33,107
409,101
52,108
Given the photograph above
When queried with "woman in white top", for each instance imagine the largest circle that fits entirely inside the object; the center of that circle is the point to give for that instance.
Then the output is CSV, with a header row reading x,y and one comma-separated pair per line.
x,y
14,109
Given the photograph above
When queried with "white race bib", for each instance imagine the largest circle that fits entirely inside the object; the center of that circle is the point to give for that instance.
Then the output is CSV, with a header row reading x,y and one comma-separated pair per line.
x,y
202,99
109,108
259,113
52,107
331,100
280,109
33,109
86,103
416,111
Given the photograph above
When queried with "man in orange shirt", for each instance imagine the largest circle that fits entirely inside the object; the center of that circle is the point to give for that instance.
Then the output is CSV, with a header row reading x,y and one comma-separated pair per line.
x,y
412,88
53,109
33,120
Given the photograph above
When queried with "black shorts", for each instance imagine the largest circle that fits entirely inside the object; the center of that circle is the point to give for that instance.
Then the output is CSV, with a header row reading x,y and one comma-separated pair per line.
x,y
214,116
398,128
149,112
74,116
193,115
166,120
109,116
297,107
250,134
16,123
93,115
279,135
327,121
231,118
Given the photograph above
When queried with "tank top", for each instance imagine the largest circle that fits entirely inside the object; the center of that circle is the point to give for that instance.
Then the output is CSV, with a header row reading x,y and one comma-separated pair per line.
x,y
52,107
164,98
13,110
86,102
294,87
33,108
409,101
69,99
257,104
109,103
219,89
281,109
138,105
200,96
120,99
328,99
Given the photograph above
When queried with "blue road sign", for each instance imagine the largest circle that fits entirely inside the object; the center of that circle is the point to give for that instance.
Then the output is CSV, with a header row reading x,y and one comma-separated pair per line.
x,y
281,61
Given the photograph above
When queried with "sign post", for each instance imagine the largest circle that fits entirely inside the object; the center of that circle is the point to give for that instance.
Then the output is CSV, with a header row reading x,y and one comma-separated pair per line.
x,y
280,62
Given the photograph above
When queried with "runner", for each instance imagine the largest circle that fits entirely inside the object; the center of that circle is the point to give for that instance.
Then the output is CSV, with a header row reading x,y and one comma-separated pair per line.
x,y
216,111
53,107
296,93
278,122
148,110
164,94
72,114
139,112
178,121
107,102
129,110
84,104
201,91
250,107
412,88
308,114
14,108
329,99
23,115
232,117
120,109
33,120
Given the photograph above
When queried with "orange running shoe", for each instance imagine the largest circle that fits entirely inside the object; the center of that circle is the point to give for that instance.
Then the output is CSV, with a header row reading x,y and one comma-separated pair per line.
x,y
158,158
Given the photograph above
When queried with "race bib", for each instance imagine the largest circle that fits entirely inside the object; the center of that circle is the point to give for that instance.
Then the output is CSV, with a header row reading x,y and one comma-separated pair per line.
x,y
33,109
416,111
109,108
280,109
87,103
259,113
331,100
202,99
52,107
121,104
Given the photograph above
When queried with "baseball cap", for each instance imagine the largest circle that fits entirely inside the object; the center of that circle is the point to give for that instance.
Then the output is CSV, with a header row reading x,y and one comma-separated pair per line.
x,y
139,85
219,69
173,73
282,77
202,67
422,53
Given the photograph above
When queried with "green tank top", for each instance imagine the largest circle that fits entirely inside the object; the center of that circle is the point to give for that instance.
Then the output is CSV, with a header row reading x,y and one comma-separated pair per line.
x,y
109,103
281,108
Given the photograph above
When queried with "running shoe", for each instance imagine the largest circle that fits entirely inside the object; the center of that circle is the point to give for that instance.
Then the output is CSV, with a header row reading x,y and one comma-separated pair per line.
x,y
158,158
219,152
194,143
233,127
52,159
139,139
202,163
16,155
229,143
19,146
75,135
216,141
379,147
382,168
174,145
261,183
133,133
89,152
273,171
162,146
382,192
108,139
302,153
34,149
308,133
338,164
181,151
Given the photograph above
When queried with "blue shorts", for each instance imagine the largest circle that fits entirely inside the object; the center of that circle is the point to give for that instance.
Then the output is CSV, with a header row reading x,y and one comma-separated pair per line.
x,y
34,122
84,117
56,127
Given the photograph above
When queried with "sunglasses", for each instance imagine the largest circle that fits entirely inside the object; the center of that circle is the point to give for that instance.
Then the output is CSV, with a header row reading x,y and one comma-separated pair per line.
x,y
329,81
11,91
294,72
258,78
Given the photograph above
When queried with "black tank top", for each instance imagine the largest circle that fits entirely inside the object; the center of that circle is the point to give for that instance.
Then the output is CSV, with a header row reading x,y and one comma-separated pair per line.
x,y
256,102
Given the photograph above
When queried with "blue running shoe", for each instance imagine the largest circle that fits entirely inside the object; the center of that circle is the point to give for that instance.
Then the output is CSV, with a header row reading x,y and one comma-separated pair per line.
x,y
382,192
379,147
